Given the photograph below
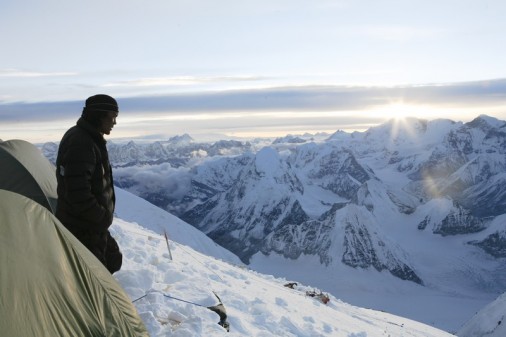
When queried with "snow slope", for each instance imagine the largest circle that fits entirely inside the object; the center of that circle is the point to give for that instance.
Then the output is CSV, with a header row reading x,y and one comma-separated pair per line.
x,y
137,210
487,322
257,304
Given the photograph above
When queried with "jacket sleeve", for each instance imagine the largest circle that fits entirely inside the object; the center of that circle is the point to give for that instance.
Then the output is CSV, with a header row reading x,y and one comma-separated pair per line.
x,y
80,164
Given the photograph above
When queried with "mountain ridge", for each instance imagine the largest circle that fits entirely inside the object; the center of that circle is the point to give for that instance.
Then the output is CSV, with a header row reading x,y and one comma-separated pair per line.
x,y
403,193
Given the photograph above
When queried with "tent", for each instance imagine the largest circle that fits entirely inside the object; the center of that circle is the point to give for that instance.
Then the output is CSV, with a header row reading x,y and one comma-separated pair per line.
x,y
50,284
24,170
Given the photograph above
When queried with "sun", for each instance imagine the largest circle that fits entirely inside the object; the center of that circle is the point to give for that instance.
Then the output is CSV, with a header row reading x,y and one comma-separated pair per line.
x,y
401,111
402,117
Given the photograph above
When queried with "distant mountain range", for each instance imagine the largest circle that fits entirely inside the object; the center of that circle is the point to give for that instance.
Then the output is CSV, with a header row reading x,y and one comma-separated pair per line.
x,y
424,201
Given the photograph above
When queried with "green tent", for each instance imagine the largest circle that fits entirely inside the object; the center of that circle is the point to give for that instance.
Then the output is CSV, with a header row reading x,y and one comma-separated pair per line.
x,y
24,170
50,284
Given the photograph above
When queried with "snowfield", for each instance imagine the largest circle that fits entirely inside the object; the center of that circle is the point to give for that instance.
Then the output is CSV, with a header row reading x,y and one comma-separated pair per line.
x,y
171,288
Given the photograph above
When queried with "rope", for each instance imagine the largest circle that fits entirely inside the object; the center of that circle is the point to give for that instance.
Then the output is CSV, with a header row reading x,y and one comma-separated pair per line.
x,y
185,301
140,234
218,308
187,252
140,298
168,296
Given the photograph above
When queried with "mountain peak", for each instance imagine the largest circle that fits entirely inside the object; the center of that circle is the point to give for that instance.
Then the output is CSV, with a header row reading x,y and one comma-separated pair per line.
x,y
486,122
183,139
267,160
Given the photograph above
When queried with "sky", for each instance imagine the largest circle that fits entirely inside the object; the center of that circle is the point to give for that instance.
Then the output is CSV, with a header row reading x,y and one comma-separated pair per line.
x,y
248,68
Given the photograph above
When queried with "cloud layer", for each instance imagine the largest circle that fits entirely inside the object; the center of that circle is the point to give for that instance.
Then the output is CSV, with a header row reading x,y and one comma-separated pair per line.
x,y
301,99
279,109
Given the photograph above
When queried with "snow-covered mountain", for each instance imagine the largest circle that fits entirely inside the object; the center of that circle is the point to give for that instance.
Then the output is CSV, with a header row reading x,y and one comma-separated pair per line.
x,y
176,151
414,206
172,289
489,321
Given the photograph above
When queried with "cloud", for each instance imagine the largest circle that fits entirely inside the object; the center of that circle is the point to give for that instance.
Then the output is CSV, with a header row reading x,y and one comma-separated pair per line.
x,y
320,98
181,80
38,112
397,33
293,98
152,179
16,73
269,106
490,92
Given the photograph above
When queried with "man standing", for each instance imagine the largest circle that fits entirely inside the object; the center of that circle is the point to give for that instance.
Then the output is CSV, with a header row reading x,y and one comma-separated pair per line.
x,y
86,196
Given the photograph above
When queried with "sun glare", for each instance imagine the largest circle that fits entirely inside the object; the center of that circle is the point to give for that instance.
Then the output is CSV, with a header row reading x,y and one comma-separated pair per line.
x,y
399,113
400,110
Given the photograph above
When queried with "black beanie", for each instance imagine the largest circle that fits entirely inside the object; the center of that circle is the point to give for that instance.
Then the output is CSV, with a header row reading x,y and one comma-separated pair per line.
x,y
101,103
96,106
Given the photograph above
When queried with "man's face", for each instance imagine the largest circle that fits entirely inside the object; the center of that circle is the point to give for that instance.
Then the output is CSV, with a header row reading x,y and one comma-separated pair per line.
x,y
108,122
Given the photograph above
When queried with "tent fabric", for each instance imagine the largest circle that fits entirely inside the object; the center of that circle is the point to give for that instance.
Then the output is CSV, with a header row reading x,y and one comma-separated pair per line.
x,y
50,284
26,171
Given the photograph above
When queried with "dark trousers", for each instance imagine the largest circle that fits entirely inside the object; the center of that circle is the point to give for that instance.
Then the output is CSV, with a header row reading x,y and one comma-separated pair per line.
x,y
104,247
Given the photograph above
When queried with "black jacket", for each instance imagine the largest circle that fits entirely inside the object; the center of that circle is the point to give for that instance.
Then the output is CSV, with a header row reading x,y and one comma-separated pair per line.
x,y
86,196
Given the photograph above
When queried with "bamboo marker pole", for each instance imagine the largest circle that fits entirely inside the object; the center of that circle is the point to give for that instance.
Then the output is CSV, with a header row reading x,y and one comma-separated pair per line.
x,y
167,240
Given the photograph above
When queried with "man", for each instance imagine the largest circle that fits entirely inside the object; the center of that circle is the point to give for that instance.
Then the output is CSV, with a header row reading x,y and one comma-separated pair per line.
x,y
86,196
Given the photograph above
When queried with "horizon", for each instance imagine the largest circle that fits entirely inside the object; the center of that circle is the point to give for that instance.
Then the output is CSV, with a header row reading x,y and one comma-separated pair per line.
x,y
209,138
268,113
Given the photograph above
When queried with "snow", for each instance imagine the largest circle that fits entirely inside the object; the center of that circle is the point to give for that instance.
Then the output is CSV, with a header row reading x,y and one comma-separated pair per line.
x,y
267,161
137,210
487,322
458,278
492,121
172,288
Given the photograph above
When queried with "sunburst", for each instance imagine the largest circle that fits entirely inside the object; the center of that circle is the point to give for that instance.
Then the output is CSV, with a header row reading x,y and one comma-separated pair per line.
x,y
399,114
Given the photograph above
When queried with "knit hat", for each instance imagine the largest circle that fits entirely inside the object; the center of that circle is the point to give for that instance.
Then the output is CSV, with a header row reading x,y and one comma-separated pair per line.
x,y
101,102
